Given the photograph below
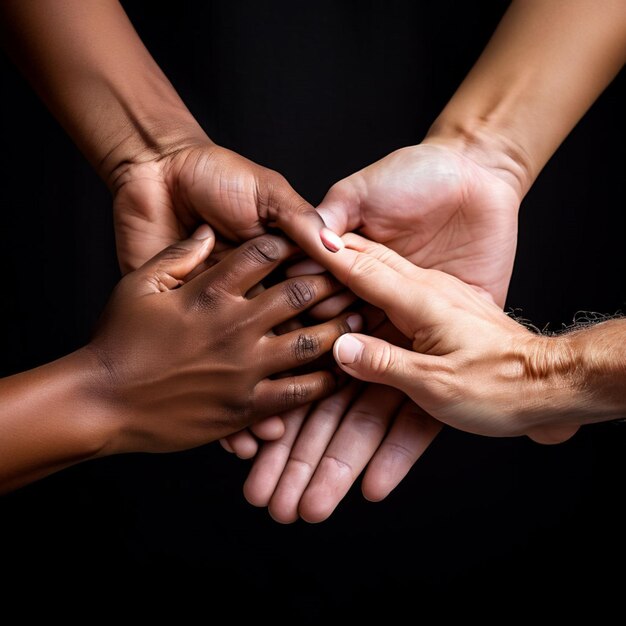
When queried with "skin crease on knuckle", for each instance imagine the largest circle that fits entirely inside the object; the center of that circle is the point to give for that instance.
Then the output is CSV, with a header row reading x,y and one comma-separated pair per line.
x,y
306,347
299,293
361,268
262,250
209,299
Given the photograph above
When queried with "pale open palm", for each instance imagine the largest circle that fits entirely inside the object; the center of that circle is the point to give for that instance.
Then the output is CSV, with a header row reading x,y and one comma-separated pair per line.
x,y
439,209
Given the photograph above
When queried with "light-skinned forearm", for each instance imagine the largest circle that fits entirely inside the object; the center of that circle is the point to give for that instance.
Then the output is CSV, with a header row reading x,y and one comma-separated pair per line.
x,y
51,418
598,370
88,64
543,68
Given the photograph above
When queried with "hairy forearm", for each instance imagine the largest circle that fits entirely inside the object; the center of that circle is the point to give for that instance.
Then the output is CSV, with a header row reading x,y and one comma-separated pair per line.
x,y
50,419
575,378
90,67
599,353
543,68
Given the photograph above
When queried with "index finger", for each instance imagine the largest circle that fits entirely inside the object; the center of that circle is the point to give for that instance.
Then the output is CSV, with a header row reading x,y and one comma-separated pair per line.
x,y
380,276
303,225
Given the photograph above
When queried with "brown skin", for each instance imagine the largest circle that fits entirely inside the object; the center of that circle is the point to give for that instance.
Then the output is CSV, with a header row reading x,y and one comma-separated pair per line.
x,y
173,365
91,68
486,148
166,175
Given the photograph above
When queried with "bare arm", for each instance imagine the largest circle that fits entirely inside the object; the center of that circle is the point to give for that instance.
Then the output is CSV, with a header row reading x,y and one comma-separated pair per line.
x,y
167,176
472,366
543,68
175,363
50,419
88,64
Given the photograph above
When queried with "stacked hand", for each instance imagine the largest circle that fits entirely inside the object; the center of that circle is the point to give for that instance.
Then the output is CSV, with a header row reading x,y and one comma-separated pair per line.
x,y
203,349
439,208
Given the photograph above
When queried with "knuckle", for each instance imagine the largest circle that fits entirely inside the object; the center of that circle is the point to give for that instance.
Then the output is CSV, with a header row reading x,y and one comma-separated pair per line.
x,y
365,421
399,452
362,267
174,252
306,347
340,466
299,293
161,280
295,393
261,251
331,406
209,298
342,327
381,360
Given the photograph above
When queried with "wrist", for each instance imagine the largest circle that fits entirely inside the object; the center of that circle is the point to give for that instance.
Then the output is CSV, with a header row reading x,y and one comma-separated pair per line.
x,y
52,417
488,147
94,422
152,140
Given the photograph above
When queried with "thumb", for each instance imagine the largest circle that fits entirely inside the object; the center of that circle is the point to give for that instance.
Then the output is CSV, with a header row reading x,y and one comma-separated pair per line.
x,y
341,211
284,208
169,267
377,361
340,208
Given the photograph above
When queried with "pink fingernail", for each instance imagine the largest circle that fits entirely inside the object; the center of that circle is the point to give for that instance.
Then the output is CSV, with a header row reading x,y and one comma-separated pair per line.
x,y
331,240
348,349
355,322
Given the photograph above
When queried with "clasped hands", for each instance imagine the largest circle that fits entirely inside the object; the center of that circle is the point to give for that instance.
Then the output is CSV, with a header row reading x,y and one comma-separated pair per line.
x,y
434,257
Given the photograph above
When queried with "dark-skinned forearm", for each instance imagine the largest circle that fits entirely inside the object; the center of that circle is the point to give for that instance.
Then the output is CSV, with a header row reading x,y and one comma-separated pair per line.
x,y
89,65
51,418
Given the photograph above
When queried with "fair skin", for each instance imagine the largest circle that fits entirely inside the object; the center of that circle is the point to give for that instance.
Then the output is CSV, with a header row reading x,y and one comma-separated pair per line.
x,y
175,362
450,204
470,365
166,174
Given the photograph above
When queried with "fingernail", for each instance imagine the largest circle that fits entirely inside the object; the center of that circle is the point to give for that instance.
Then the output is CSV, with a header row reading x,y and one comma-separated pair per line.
x,y
203,232
349,349
355,322
332,241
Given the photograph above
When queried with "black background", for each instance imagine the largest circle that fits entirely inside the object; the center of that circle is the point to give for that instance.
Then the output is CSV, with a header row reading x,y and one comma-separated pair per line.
x,y
315,90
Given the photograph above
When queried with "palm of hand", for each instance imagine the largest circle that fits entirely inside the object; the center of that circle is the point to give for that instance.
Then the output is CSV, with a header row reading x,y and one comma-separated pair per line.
x,y
438,209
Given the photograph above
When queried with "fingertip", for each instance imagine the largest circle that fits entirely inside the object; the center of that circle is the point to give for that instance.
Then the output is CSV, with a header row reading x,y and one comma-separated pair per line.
x,y
347,349
254,494
355,322
375,490
283,514
278,517
269,429
315,507
224,443
203,232
243,444
248,451
331,240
